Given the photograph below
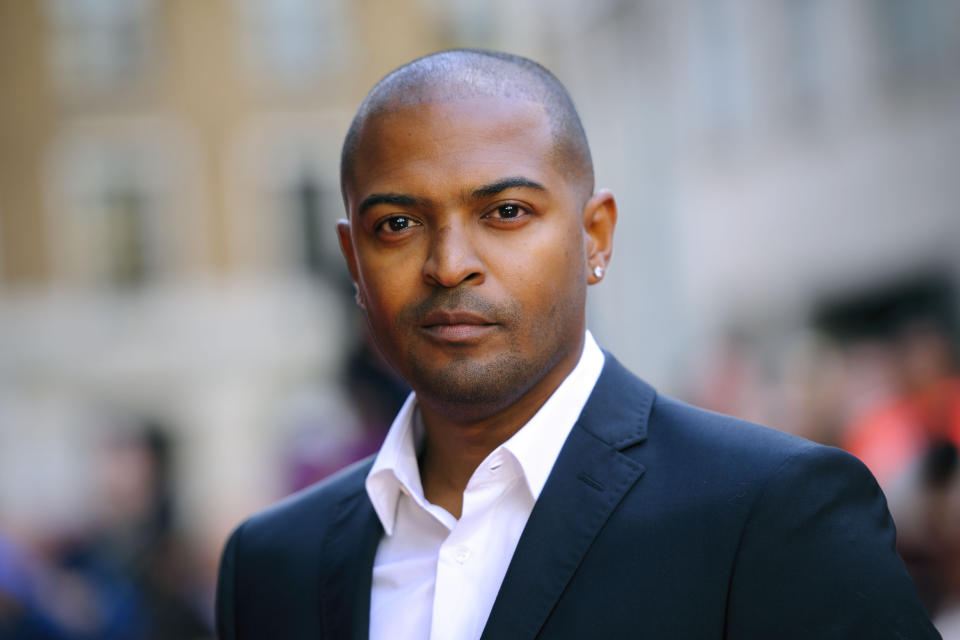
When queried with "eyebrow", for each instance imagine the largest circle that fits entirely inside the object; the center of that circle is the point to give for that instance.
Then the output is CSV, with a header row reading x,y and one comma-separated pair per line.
x,y
494,188
485,191
395,199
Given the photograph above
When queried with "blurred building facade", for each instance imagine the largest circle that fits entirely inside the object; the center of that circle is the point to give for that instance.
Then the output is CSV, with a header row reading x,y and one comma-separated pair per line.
x,y
168,193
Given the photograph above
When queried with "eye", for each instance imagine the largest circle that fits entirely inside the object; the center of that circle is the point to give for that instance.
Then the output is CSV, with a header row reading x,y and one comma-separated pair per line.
x,y
399,223
395,224
508,211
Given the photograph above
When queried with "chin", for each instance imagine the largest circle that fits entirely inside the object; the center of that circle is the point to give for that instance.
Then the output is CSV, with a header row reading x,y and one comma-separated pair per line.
x,y
469,383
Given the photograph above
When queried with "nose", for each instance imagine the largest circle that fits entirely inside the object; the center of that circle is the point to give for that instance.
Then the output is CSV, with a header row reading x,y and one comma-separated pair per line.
x,y
453,258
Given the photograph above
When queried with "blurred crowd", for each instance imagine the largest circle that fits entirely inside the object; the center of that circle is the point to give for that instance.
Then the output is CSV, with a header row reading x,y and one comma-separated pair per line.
x,y
876,373
126,575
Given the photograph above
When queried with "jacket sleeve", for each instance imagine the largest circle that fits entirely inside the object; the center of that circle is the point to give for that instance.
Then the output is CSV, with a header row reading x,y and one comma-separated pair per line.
x,y
226,584
817,558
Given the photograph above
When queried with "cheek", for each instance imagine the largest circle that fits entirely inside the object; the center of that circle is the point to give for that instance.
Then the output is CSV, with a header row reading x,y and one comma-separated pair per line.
x,y
389,282
383,301
382,304
546,277
559,257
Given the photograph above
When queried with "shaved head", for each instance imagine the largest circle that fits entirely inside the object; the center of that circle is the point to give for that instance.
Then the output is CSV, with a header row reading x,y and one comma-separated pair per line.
x,y
461,74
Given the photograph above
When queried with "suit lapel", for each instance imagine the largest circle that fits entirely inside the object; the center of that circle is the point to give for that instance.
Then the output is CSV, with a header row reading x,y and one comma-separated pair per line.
x,y
588,480
347,555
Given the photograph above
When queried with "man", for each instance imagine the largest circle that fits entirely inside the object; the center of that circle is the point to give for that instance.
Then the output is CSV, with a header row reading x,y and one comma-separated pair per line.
x,y
531,487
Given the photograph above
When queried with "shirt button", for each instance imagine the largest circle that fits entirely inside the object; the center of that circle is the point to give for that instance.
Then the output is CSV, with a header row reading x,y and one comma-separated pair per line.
x,y
462,555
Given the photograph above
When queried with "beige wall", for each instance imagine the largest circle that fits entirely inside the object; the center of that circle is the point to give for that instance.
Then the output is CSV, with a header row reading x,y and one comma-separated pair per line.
x,y
27,117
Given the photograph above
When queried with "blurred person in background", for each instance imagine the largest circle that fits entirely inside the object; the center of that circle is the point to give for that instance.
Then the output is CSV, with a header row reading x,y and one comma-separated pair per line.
x,y
531,486
136,536
894,402
124,578
25,612
908,434
127,577
918,414
326,437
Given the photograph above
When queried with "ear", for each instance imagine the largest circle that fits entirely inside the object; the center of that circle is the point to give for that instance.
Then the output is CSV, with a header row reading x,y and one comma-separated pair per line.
x,y
599,220
346,247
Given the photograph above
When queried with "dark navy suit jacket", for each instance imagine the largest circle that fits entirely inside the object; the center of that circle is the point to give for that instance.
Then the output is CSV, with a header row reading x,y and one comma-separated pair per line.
x,y
659,520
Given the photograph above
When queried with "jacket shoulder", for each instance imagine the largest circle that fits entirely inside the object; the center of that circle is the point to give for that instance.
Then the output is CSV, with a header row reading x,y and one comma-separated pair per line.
x,y
718,440
794,536
629,414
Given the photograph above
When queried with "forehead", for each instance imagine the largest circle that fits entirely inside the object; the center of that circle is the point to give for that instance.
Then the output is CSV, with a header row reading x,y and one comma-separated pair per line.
x,y
453,141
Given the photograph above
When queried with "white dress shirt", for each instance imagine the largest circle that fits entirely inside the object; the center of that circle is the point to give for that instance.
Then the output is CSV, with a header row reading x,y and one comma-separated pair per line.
x,y
436,577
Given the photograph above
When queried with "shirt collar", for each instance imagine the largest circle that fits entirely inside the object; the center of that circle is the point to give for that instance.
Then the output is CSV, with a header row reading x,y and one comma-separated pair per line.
x,y
535,446
395,468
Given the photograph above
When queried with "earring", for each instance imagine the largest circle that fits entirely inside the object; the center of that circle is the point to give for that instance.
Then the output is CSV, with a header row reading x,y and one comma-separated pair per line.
x,y
598,271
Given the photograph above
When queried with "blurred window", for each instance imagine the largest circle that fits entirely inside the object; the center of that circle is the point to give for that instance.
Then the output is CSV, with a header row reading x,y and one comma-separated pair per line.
x,y
912,35
112,223
721,69
305,196
124,205
306,242
98,46
804,55
288,197
293,43
475,20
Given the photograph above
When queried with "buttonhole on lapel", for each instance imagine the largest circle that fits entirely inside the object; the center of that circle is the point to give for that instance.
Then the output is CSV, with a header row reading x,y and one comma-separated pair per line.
x,y
741,494
590,482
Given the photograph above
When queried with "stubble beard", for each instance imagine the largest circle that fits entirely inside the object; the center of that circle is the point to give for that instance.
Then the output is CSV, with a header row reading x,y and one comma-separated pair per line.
x,y
471,387
469,381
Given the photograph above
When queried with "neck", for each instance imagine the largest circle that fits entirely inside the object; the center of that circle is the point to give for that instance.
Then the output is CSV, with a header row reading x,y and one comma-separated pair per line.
x,y
457,442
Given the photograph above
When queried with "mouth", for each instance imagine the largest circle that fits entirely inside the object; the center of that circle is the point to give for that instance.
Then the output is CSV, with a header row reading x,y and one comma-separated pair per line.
x,y
456,326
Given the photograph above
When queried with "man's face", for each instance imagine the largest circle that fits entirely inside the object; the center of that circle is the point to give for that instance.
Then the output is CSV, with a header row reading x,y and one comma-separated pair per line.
x,y
467,243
